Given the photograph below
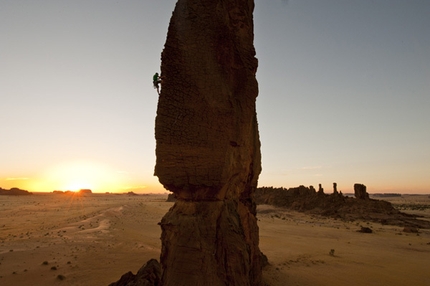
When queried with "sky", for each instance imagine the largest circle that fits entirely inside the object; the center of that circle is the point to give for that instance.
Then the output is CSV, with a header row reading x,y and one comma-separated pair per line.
x,y
344,93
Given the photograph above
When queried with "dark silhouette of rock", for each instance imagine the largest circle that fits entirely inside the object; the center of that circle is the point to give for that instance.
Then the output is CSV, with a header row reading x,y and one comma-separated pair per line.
x,y
360,192
320,189
300,198
208,148
14,192
365,229
335,188
148,275
85,191
336,205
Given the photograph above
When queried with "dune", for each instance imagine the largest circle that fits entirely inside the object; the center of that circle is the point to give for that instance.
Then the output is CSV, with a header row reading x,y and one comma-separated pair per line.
x,y
46,239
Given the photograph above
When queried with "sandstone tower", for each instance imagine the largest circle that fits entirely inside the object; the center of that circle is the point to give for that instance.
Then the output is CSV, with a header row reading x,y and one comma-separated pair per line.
x,y
207,145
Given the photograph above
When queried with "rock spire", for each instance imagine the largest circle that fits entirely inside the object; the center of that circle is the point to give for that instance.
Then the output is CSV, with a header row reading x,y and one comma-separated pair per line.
x,y
207,145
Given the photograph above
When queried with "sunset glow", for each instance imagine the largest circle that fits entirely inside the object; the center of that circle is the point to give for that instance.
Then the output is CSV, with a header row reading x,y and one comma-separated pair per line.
x,y
343,94
77,175
82,174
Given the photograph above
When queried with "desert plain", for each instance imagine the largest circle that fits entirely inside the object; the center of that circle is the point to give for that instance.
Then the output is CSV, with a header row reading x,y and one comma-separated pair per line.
x,y
59,239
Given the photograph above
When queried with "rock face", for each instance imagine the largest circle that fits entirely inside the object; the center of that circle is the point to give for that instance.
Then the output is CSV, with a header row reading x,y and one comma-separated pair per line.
x,y
208,148
148,275
360,192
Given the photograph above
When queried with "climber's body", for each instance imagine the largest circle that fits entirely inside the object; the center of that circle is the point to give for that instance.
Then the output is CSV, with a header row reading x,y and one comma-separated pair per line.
x,y
156,80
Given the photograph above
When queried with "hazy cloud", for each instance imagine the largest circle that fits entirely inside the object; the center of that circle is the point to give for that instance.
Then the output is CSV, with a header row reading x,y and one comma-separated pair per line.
x,y
17,179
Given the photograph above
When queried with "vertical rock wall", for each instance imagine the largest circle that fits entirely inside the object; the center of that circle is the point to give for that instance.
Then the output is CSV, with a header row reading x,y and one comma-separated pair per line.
x,y
208,148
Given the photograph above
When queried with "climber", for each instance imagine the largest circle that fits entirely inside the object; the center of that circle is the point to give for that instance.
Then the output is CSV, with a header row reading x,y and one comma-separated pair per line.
x,y
156,81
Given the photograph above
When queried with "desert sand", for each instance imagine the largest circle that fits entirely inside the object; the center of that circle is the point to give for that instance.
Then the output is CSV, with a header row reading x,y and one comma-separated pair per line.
x,y
51,239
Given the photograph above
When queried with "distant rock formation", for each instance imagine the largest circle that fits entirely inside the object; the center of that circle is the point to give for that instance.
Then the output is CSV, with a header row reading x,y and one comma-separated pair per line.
x,y
14,192
300,199
85,191
80,192
320,189
208,148
148,275
360,192
336,205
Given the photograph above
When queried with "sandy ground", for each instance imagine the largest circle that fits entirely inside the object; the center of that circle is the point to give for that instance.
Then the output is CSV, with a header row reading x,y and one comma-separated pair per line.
x,y
93,240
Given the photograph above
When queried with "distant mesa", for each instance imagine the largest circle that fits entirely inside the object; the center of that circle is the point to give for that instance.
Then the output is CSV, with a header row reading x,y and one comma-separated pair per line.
x,y
80,192
14,192
386,195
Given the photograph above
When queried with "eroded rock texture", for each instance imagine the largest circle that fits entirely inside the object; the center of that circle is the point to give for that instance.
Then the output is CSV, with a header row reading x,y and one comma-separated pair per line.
x,y
208,148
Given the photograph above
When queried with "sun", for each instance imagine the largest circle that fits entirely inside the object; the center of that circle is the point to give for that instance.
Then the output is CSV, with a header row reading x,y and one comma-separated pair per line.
x,y
77,175
77,185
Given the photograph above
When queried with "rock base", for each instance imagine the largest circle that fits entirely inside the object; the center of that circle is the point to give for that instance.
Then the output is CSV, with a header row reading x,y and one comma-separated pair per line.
x,y
210,243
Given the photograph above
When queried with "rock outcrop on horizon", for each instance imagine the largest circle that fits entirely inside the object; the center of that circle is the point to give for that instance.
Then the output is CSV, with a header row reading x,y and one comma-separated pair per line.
x,y
360,192
208,148
85,192
80,192
14,192
337,205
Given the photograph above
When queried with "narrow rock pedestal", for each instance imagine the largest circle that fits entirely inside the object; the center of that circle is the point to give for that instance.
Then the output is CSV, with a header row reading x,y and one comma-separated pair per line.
x,y
210,243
